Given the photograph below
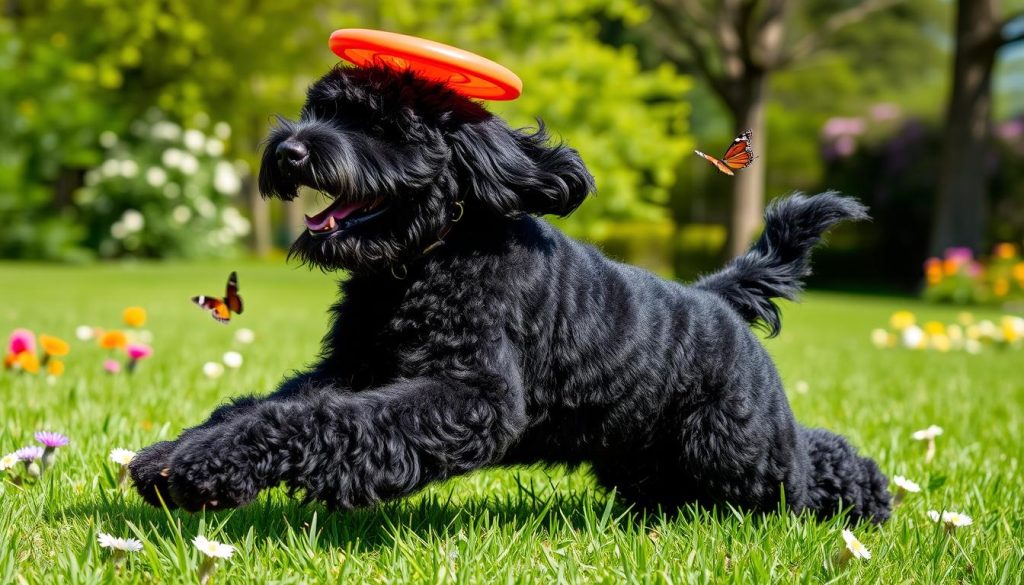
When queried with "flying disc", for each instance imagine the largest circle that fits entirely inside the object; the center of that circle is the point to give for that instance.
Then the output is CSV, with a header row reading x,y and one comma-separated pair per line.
x,y
467,73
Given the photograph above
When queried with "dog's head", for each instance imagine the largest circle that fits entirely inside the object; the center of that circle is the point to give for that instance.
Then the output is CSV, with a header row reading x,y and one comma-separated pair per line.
x,y
397,156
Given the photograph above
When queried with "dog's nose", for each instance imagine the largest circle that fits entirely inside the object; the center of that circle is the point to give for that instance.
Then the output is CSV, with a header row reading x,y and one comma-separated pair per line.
x,y
291,153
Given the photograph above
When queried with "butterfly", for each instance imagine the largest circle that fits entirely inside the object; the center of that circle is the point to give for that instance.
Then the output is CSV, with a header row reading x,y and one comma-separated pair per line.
x,y
739,156
221,309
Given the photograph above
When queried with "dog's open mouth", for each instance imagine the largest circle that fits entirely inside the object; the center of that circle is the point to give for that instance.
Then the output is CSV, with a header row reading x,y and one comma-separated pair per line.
x,y
343,215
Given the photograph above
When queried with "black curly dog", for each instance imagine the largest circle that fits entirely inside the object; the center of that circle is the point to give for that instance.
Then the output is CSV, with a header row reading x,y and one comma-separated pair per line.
x,y
471,334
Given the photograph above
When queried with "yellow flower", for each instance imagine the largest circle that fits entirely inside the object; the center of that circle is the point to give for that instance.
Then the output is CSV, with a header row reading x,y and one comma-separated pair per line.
x,y
965,318
900,320
1005,251
55,368
1001,287
1013,328
114,339
934,328
1018,271
28,362
134,316
53,346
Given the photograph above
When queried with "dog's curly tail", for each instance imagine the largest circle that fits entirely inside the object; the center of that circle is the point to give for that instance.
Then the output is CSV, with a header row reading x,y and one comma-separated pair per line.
x,y
776,264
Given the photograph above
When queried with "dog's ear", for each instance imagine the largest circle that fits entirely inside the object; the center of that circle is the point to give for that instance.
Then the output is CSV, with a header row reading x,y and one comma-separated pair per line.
x,y
517,172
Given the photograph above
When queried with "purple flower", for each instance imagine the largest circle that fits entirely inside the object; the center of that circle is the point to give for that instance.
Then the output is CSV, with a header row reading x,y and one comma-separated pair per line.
x,y
52,440
29,454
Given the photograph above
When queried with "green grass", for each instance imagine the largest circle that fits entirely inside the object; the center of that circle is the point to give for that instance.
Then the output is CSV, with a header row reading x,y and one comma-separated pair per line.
x,y
510,525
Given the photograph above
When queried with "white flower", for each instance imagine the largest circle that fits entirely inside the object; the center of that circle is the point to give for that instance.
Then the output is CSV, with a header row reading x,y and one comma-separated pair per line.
x,y
802,387
214,147
181,214
156,176
245,336
233,359
856,547
189,164
194,140
913,337
213,370
172,158
164,130
108,139
880,338
205,207
121,456
133,220
84,333
110,167
8,461
905,484
222,130
225,179
129,168
928,434
120,544
950,519
234,221
118,231
212,548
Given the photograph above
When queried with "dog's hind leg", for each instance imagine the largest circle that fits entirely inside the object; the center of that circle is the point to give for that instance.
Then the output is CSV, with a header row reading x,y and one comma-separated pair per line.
x,y
351,449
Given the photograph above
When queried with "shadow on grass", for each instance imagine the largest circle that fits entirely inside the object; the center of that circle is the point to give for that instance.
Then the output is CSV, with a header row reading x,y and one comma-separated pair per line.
x,y
437,513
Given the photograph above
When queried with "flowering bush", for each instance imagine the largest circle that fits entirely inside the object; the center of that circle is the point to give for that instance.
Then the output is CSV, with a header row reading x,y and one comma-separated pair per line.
x,y
960,278
163,191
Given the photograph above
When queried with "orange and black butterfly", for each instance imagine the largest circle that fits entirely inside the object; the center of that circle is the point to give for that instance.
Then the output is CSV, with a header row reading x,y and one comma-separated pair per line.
x,y
221,309
739,156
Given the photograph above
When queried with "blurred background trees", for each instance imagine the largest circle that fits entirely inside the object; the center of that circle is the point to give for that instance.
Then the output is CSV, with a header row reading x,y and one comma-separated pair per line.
x,y
132,128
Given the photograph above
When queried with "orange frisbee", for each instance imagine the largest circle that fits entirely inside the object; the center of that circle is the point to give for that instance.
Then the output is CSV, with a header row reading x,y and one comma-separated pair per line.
x,y
467,73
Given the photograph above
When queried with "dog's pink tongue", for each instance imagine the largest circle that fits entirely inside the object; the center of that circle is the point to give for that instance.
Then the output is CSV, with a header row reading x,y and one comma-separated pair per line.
x,y
323,219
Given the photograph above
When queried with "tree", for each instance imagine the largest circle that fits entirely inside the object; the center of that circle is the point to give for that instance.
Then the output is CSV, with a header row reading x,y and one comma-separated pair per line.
x,y
961,210
736,46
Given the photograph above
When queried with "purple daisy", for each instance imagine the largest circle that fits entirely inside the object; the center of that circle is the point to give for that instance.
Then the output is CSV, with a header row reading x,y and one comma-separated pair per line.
x,y
52,440
29,454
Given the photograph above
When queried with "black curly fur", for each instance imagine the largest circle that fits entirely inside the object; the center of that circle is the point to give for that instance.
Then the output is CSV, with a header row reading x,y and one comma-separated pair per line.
x,y
510,343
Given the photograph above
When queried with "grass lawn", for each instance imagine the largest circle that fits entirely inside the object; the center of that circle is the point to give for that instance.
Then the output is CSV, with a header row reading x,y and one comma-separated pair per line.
x,y
509,525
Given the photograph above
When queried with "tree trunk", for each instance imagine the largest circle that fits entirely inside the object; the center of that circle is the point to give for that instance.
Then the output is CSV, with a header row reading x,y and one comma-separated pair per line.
x,y
259,213
748,186
961,207
294,220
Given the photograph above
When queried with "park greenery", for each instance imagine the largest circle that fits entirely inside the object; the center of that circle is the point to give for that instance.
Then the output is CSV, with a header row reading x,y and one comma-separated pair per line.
x,y
633,84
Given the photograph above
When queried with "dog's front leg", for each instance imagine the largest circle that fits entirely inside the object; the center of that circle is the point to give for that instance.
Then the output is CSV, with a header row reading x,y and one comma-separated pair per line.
x,y
150,467
351,449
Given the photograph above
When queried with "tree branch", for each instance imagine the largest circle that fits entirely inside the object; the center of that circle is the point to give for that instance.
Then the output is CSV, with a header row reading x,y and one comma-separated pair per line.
x,y
813,41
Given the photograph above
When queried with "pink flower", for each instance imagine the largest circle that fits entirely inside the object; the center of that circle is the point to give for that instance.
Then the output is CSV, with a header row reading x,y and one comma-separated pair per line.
x,y
52,440
22,340
961,255
138,351
112,366
29,454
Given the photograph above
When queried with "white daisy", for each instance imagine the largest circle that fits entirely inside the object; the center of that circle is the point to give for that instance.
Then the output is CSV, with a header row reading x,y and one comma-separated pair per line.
x,y
855,546
927,434
121,456
905,484
8,461
84,332
119,544
245,336
233,359
212,548
213,370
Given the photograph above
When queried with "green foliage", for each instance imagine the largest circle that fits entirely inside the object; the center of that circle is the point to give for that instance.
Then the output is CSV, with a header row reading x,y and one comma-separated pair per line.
x,y
163,191
518,525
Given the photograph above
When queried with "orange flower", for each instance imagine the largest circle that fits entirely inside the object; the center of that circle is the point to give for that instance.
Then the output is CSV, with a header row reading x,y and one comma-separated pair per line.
x,y
134,316
53,346
950,266
1005,251
114,339
1018,271
1001,287
55,368
9,360
933,270
28,362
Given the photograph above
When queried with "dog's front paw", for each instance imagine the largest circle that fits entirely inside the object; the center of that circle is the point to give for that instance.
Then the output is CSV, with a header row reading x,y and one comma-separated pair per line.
x,y
149,471
211,474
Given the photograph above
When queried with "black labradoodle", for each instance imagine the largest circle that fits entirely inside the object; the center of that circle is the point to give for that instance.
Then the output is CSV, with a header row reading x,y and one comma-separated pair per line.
x,y
469,333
